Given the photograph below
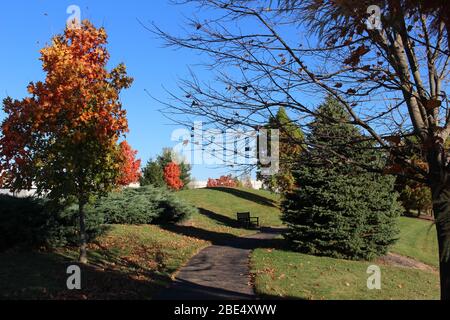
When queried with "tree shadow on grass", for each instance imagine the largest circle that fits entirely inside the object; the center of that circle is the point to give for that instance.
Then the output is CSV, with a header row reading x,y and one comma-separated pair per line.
x,y
226,239
43,276
224,220
247,196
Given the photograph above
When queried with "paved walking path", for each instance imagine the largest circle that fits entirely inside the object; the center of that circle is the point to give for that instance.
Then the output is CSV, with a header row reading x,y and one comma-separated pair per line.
x,y
219,271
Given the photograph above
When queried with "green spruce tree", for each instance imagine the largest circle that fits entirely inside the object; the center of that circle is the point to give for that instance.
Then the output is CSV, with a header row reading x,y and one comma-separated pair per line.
x,y
338,209
153,174
290,146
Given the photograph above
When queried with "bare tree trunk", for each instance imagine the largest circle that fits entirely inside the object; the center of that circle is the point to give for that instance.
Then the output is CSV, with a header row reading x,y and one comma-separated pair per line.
x,y
440,187
83,238
442,214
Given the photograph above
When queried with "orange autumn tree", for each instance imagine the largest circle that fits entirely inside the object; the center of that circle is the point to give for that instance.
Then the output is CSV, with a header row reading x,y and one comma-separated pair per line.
x,y
172,173
130,171
63,138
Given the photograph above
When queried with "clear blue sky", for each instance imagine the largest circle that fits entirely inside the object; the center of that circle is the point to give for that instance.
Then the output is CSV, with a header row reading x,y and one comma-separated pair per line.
x,y
27,25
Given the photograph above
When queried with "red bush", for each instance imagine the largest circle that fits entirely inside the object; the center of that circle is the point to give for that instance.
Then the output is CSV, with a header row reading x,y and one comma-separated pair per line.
x,y
172,173
223,181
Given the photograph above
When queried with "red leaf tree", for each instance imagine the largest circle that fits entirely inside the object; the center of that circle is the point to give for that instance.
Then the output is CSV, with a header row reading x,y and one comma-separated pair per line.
x,y
130,171
172,173
223,181
63,138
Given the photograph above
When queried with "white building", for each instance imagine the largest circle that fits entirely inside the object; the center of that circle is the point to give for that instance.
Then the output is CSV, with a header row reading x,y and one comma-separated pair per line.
x,y
203,184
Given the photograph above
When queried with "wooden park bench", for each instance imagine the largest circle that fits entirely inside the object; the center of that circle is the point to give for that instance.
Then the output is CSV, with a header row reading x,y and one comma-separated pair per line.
x,y
247,220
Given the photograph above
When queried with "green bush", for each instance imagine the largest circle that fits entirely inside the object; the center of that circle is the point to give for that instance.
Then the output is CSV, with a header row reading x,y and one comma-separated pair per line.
x,y
31,222
145,205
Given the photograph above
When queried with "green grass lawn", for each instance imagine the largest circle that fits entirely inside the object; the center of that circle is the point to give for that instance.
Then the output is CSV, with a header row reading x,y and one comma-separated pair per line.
x,y
134,262
218,208
418,240
284,274
129,262
281,273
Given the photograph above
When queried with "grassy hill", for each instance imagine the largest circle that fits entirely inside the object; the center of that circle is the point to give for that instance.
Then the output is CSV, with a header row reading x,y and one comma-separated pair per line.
x,y
133,262
218,208
129,262
418,240
278,272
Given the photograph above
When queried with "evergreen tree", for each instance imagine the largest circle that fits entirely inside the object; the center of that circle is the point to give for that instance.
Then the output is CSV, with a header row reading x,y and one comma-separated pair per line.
x,y
153,174
185,175
339,209
291,138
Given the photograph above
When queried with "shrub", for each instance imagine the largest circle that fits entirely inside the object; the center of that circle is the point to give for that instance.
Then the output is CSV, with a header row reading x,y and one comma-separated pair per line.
x,y
145,205
223,181
33,223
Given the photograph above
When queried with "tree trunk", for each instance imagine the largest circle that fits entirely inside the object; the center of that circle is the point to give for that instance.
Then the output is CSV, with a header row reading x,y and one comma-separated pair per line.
x,y
439,180
441,205
83,237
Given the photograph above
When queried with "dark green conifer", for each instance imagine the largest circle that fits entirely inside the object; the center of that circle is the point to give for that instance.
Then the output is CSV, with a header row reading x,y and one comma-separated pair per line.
x,y
338,208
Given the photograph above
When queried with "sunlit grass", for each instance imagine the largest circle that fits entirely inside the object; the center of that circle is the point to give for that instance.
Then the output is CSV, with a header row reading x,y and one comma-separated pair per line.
x,y
285,274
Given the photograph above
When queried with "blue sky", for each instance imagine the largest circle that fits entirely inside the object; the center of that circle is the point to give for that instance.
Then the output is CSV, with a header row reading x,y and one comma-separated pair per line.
x,y
26,26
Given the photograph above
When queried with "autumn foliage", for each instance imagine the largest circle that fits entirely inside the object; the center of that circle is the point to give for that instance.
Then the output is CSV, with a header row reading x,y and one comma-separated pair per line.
x,y
172,173
130,171
63,138
69,118
223,181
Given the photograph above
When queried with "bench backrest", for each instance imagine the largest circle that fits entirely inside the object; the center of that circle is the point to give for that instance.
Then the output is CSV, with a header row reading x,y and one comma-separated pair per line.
x,y
243,215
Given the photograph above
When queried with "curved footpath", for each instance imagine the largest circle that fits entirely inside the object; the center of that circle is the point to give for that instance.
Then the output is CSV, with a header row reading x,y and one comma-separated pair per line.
x,y
219,272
